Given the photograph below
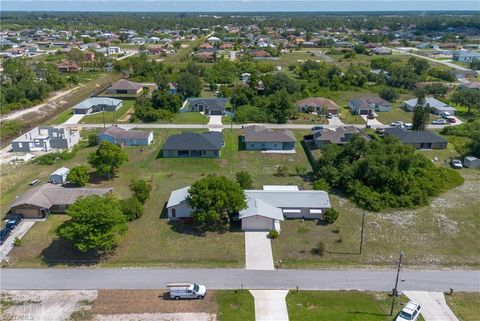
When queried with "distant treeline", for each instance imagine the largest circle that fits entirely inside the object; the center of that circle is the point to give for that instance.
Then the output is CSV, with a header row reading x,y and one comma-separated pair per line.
x,y
142,22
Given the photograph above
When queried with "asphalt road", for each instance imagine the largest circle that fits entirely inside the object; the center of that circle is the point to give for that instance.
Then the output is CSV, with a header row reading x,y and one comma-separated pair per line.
x,y
128,278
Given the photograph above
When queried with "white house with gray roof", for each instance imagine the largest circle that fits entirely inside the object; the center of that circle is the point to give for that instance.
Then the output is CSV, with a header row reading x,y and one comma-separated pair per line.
x,y
437,106
97,104
265,208
465,56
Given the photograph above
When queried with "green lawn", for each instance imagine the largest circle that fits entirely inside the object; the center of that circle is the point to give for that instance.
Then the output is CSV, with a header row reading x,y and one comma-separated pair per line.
x,y
151,240
110,116
465,305
341,306
348,118
189,118
235,305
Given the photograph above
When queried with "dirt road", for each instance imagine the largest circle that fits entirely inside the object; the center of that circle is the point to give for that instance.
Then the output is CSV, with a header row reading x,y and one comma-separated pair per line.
x,y
52,100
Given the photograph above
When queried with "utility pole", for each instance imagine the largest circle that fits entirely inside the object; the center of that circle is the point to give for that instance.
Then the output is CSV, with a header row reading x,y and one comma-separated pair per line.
x,y
395,292
233,115
103,114
361,236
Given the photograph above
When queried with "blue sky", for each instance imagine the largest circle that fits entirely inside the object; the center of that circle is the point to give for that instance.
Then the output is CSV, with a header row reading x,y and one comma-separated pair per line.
x,y
237,5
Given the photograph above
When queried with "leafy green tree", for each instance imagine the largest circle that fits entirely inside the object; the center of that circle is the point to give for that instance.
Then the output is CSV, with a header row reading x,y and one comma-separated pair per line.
x,y
330,215
281,106
419,65
213,200
108,158
474,64
189,85
421,114
92,139
321,185
78,175
96,223
141,189
469,98
132,208
162,99
389,94
244,179
436,89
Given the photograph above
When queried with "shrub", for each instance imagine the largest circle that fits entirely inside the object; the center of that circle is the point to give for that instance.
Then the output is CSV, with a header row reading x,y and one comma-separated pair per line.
x,y
79,175
273,234
300,169
141,190
282,170
330,215
319,249
321,185
132,208
389,94
17,242
244,179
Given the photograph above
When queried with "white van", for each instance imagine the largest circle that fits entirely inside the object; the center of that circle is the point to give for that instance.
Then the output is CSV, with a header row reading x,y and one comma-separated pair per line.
x,y
186,290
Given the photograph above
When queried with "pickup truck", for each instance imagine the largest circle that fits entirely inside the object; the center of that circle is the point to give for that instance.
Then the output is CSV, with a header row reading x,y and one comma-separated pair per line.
x,y
186,290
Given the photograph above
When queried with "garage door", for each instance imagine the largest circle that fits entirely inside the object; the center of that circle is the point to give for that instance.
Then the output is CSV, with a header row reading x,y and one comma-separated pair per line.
x,y
363,112
257,223
216,112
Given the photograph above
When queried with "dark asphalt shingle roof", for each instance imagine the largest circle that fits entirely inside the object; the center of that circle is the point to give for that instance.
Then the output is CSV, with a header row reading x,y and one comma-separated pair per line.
x,y
212,104
411,136
194,141
260,134
120,133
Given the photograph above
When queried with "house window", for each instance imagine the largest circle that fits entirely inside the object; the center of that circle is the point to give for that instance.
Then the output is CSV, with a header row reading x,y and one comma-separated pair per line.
x,y
274,145
174,212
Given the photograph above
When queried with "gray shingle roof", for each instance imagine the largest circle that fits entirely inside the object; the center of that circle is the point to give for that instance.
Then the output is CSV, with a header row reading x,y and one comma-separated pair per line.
x,y
194,141
120,133
48,195
260,134
124,84
212,104
410,136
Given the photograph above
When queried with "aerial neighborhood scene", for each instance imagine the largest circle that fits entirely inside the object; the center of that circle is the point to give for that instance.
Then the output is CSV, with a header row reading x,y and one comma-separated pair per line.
x,y
240,160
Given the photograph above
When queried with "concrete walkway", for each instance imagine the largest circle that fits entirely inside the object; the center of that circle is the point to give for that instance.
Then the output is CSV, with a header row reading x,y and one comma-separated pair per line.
x,y
258,251
434,306
19,231
270,305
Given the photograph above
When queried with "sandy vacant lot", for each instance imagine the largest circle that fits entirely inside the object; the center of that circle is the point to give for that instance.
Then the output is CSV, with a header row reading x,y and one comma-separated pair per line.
x,y
104,305
44,305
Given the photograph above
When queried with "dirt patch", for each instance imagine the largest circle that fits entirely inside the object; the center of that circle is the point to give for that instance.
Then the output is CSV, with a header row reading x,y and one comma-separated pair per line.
x,y
44,305
127,115
158,317
149,301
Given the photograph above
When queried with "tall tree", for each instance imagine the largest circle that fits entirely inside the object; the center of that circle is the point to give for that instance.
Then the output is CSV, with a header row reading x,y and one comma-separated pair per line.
x,y
421,114
78,175
96,223
281,106
189,85
108,158
469,98
141,189
214,199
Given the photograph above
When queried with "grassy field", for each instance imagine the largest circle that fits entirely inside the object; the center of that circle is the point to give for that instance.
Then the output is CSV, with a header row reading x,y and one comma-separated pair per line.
x,y
465,305
110,116
448,224
151,240
341,306
235,305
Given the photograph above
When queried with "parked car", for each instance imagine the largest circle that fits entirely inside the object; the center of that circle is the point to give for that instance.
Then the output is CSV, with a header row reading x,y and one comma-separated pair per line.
x,y
3,235
398,123
13,222
380,131
439,121
329,115
456,163
186,290
370,116
410,312
317,127
451,120
408,125
445,114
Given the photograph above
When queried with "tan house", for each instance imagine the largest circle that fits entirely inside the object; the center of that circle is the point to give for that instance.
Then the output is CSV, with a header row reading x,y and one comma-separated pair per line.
x,y
42,200
319,105
125,87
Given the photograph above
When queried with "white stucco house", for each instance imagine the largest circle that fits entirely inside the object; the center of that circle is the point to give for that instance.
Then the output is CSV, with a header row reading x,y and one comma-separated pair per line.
x,y
265,209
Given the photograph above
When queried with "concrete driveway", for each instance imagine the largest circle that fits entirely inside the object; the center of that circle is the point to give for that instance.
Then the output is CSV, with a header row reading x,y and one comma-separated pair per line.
x,y
19,231
74,119
372,122
258,251
434,306
270,305
215,123
335,121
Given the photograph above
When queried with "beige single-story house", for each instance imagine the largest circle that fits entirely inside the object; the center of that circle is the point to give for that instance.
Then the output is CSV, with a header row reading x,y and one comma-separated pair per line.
x,y
42,200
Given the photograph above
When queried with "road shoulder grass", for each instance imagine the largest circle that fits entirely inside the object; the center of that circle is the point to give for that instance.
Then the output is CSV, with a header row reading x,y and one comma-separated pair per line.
x,y
465,305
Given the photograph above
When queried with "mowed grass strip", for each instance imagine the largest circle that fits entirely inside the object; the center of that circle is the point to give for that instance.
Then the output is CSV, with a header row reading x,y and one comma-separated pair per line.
x,y
465,305
341,306
237,305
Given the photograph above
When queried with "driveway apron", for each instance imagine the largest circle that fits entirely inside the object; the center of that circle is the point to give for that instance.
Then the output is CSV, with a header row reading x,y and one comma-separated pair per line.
x,y
434,306
258,251
270,305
